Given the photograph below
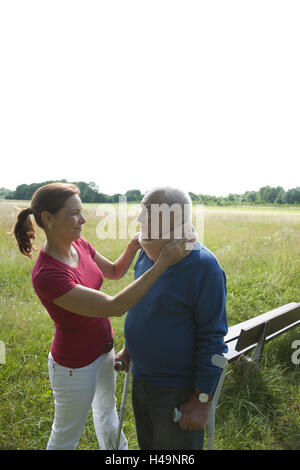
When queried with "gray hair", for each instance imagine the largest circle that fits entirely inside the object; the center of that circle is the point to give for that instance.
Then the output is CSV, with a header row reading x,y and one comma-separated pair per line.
x,y
172,197
169,195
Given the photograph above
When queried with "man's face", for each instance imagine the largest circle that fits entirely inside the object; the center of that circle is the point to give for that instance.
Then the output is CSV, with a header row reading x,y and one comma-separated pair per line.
x,y
156,220
144,220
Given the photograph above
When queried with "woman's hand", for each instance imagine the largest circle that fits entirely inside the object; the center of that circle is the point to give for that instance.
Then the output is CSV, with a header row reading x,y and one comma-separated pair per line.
x,y
173,252
134,242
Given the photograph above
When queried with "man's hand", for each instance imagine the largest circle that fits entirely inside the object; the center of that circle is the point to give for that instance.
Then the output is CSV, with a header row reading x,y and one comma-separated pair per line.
x,y
124,357
195,415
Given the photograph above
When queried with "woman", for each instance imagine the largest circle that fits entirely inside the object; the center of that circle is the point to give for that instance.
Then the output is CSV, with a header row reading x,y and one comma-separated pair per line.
x,y
66,277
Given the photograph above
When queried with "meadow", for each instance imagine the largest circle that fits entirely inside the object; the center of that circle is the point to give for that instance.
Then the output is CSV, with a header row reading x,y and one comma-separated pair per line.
x,y
258,249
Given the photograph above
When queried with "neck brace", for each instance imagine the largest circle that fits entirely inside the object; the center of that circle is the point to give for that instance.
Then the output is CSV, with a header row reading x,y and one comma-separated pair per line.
x,y
181,230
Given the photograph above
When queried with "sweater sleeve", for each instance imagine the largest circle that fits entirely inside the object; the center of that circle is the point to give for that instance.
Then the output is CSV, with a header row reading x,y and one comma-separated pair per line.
x,y
209,303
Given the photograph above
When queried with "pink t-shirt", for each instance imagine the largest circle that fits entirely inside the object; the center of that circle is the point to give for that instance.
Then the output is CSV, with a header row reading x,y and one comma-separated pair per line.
x,y
78,340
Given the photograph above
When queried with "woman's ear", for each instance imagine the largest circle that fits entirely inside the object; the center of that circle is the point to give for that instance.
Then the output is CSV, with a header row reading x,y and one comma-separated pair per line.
x,y
46,218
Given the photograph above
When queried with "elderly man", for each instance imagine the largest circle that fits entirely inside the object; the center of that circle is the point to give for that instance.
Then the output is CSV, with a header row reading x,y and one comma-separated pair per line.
x,y
172,333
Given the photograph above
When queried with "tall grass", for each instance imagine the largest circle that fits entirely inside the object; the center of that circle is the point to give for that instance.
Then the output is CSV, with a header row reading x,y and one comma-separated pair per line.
x,y
259,251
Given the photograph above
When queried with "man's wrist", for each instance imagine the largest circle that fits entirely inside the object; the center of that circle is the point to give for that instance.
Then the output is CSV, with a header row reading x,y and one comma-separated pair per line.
x,y
202,397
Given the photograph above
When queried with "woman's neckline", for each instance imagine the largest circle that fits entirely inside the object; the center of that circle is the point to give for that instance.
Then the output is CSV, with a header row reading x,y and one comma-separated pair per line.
x,y
62,262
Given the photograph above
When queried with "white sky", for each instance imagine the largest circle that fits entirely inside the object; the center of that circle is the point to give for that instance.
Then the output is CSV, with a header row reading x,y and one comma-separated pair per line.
x,y
203,95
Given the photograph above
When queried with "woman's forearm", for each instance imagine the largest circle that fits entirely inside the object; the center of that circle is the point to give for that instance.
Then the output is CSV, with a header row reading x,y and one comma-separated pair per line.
x,y
117,269
172,252
133,293
92,303
122,264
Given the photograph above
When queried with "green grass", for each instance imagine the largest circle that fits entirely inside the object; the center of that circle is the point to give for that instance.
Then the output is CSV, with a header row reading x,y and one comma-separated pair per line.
x,y
259,250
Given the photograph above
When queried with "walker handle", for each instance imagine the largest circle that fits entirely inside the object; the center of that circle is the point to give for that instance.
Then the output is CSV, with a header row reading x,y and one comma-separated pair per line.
x,y
177,415
119,366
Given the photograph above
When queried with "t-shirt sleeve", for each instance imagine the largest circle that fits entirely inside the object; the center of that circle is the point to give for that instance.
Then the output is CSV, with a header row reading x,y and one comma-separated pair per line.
x,y
51,283
88,246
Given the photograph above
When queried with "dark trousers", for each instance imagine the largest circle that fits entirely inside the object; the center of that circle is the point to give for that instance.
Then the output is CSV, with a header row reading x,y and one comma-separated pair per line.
x,y
153,410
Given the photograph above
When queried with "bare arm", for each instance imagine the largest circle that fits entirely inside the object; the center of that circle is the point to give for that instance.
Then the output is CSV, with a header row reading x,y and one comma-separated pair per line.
x,y
119,268
92,303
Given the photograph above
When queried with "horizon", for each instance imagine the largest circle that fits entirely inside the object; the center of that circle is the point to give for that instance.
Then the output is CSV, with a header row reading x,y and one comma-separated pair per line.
x,y
144,192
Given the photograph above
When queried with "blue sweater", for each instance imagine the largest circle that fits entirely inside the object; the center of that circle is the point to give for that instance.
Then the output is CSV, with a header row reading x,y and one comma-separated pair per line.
x,y
174,330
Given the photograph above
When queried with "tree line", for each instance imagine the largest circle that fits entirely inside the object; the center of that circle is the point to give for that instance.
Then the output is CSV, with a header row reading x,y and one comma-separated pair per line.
x,y
265,195
89,192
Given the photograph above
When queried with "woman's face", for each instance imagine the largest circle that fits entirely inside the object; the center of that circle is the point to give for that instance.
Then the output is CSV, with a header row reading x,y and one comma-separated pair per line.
x,y
67,222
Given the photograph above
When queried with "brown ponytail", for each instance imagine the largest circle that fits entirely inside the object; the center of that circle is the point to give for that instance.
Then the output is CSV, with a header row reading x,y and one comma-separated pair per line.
x,y
51,198
24,232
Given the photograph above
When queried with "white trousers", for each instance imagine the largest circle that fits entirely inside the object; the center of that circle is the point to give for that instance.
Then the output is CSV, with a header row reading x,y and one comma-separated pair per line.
x,y
75,391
